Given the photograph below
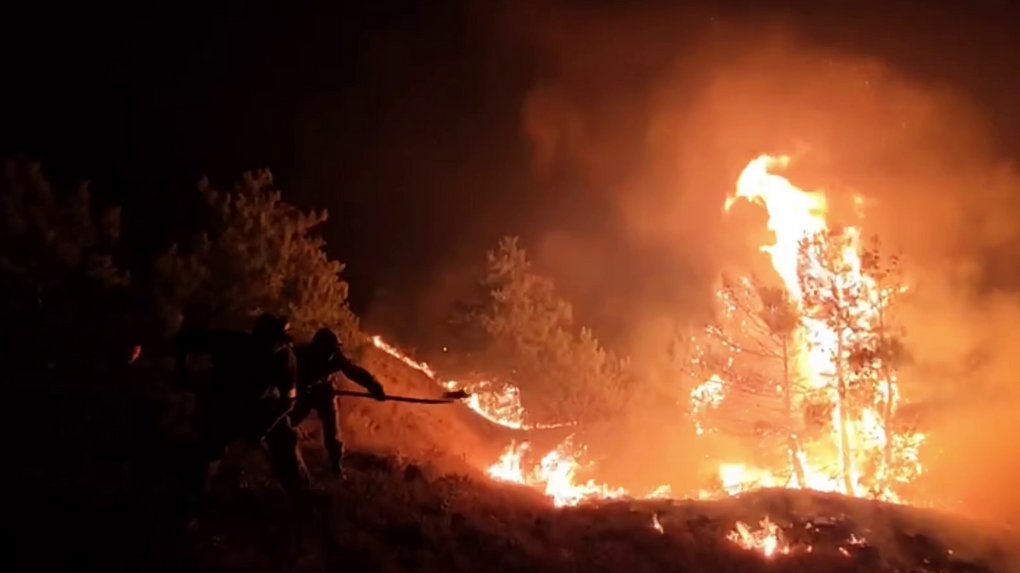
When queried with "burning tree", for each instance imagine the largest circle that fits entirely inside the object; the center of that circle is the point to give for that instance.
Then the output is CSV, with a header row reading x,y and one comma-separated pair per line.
x,y
847,296
876,359
750,351
826,338
832,300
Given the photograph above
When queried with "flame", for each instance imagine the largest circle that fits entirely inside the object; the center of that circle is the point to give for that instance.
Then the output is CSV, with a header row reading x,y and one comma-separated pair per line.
x,y
422,367
708,394
660,492
767,540
499,403
555,475
845,461
508,468
793,213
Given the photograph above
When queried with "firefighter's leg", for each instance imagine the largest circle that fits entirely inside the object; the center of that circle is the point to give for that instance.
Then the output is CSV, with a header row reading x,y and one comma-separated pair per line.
x,y
331,436
282,442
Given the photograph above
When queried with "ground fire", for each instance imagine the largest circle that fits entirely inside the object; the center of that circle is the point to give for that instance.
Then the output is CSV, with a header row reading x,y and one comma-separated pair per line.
x,y
555,474
768,539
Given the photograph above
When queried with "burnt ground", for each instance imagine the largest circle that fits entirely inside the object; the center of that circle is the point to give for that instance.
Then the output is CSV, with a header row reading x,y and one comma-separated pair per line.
x,y
413,501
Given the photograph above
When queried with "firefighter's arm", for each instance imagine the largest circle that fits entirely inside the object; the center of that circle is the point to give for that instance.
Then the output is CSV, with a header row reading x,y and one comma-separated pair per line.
x,y
359,376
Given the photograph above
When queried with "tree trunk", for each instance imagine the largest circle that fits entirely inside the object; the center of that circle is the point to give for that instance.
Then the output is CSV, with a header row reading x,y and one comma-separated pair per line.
x,y
889,408
844,436
793,440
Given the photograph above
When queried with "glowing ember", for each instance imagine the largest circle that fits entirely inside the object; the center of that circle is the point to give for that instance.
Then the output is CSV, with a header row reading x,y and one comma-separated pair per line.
x,y
766,540
835,349
656,524
857,541
708,394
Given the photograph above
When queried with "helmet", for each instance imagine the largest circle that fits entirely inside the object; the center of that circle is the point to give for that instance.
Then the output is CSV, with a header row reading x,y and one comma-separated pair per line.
x,y
271,327
326,338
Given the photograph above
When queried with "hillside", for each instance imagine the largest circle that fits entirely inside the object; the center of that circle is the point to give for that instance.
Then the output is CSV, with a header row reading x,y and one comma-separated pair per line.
x,y
415,500
393,519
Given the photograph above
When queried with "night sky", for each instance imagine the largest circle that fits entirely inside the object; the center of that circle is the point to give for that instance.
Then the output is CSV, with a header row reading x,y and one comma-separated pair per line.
x,y
403,119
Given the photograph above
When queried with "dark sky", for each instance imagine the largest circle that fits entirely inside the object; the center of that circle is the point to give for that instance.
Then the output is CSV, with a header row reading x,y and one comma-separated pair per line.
x,y
403,119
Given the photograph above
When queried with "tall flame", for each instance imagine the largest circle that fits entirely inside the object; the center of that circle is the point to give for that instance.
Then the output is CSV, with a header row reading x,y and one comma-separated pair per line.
x,y
793,214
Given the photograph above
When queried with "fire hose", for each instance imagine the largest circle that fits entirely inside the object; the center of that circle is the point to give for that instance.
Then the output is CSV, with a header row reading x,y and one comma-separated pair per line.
x,y
447,398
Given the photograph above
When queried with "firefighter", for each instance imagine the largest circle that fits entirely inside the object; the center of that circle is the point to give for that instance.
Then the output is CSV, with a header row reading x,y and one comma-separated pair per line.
x,y
251,390
317,362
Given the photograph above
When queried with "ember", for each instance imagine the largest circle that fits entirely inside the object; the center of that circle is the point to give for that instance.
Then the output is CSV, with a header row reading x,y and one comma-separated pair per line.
x,y
767,539
656,524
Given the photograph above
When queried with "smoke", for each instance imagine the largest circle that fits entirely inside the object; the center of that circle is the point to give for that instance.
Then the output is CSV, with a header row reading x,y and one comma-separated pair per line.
x,y
642,119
